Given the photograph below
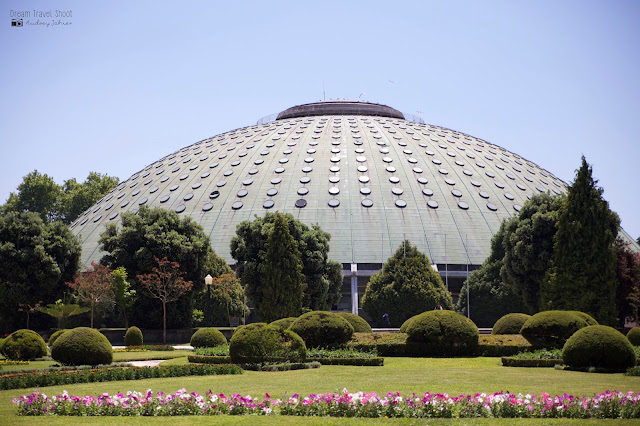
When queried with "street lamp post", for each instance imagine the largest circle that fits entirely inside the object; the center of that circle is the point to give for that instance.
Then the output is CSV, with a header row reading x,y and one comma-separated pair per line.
x,y
208,280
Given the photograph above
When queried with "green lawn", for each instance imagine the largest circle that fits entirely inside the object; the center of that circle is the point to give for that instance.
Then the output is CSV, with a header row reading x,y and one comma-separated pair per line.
x,y
407,375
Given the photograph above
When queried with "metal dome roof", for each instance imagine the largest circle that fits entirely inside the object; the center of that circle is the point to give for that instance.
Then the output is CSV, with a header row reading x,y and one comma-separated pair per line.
x,y
370,179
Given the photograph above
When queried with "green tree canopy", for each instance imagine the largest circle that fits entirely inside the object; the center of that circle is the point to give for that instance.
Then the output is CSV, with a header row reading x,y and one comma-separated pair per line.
x,y
489,296
628,277
36,259
279,294
582,275
322,276
36,193
157,233
40,194
76,197
528,247
406,286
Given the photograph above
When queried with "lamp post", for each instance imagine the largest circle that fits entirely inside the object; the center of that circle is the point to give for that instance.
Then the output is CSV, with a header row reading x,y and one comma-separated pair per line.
x,y
208,280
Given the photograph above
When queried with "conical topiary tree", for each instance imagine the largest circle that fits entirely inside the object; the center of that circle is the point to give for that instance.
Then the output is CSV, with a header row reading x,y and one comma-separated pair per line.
x,y
406,286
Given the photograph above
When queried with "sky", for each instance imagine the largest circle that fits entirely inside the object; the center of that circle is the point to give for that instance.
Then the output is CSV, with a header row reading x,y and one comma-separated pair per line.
x,y
113,86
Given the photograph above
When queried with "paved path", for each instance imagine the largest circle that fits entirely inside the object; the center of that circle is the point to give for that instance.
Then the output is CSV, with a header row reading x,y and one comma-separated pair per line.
x,y
152,362
147,363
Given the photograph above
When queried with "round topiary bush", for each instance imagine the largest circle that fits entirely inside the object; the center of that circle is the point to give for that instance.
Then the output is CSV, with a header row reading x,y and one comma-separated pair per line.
x,y
443,333
403,327
208,338
284,322
322,329
82,346
357,322
24,345
133,337
586,317
634,336
551,329
599,346
260,342
54,336
510,324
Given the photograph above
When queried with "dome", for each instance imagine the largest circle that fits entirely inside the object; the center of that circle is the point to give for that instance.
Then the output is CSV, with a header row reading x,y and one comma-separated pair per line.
x,y
364,173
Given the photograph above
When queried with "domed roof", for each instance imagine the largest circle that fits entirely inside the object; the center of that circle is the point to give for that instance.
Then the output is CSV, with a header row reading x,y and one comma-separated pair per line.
x,y
363,173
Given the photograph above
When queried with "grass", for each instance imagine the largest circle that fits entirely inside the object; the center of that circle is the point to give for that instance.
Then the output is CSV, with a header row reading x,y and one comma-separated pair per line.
x,y
407,375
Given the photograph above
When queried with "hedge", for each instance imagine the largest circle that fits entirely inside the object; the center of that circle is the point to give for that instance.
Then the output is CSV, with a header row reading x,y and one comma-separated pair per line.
x,y
376,361
508,361
106,374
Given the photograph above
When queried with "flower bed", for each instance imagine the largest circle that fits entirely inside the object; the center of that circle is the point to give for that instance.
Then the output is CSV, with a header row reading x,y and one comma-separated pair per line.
x,y
345,404
107,374
12,362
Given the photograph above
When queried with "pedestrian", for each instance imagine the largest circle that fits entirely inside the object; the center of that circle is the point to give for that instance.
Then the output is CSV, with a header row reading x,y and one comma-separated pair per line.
x,y
438,307
385,318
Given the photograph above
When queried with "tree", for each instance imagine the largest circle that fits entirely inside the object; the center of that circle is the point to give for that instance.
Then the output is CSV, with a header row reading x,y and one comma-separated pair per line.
x,y
527,242
489,296
29,309
226,292
76,197
124,295
406,286
36,259
61,311
582,275
165,283
322,276
628,278
41,194
94,286
38,194
157,233
279,294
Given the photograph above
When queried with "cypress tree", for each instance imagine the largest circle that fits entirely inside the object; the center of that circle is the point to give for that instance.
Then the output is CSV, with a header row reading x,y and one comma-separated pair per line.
x,y
282,281
582,275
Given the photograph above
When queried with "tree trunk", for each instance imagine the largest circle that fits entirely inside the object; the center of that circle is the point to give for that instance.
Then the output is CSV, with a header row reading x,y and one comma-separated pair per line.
x,y
164,322
92,305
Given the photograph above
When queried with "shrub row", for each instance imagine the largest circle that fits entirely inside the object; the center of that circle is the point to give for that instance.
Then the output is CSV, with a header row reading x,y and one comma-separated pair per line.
x,y
509,361
495,345
355,361
281,367
50,378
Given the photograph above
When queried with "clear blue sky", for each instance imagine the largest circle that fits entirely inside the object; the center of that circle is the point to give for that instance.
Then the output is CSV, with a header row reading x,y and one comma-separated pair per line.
x,y
129,82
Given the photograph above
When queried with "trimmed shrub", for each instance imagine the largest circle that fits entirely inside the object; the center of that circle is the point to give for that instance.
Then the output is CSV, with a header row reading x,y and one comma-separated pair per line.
x,y
443,333
55,336
588,318
322,329
502,345
634,336
357,322
133,337
403,327
260,342
510,324
82,346
551,329
24,345
599,346
284,322
208,338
